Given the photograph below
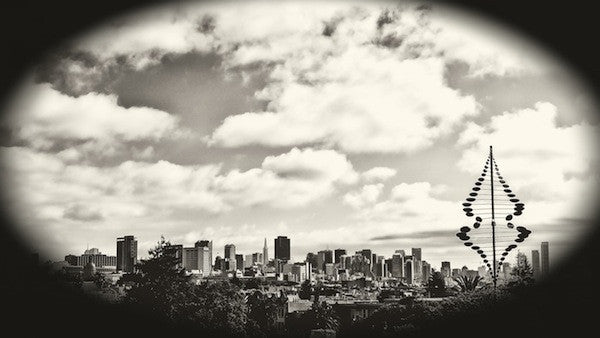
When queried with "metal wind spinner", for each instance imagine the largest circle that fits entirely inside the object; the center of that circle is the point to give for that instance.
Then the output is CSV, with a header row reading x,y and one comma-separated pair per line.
x,y
491,197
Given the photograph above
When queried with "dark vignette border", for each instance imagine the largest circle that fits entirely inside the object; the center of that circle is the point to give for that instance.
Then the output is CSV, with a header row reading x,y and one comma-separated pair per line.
x,y
561,305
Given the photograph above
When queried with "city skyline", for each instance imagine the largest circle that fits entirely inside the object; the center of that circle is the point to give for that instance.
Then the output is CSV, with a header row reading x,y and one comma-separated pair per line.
x,y
344,126
416,253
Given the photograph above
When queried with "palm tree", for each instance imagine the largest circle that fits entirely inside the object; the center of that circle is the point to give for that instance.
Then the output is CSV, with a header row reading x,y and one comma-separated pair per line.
x,y
466,283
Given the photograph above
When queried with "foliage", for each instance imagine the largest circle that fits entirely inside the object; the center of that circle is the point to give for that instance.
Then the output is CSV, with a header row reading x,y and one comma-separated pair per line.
x,y
305,290
416,319
436,286
466,283
522,273
101,281
161,286
322,316
262,313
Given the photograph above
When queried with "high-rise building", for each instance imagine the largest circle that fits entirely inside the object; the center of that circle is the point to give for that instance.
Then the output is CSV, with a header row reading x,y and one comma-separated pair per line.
x,y
416,254
446,270
206,244
425,271
545,259
397,268
229,257
535,263
126,253
338,253
265,255
239,261
409,270
324,257
282,248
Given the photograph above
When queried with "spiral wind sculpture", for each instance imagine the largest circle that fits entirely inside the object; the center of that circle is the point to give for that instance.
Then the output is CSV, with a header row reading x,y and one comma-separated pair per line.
x,y
490,198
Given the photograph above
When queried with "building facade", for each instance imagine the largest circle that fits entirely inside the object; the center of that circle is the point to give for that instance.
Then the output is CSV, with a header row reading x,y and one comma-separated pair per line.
x,y
126,253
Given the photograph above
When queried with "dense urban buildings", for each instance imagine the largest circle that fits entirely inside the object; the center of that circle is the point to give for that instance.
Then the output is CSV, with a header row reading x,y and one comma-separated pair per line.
x,y
126,253
329,266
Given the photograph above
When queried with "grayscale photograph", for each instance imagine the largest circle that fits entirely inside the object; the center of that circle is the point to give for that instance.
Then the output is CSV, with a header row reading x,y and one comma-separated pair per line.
x,y
300,169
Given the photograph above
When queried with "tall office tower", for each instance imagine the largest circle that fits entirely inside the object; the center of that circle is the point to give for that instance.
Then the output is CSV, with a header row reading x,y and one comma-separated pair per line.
x,y
545,259
204,260
206,244
397,267
126,253
535,263
425,271
265,255
312,259
324,257
445,270
416,254
282,248
229,257
219,263
239,261
342,261
338,253
409,270
400,252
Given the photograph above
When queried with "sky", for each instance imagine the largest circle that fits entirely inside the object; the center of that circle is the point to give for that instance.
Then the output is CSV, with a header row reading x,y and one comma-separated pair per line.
x,y
338,124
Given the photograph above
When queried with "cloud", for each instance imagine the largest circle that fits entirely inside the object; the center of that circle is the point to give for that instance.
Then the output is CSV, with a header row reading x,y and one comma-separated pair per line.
x,y
367,195
92,123
80,212
552,168
375,82
378,174
289,180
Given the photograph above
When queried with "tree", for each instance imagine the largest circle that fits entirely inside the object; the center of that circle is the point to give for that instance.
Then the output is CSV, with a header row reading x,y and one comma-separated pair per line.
x,y
101,281
522,273
162,286
305,290
436,286
262,312
466,283
322,316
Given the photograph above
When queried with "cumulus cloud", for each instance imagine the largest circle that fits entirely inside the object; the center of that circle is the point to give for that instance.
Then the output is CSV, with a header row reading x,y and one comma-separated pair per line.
x,y
553,167
288,180
45,118
378,174
52,189
362,78
367,195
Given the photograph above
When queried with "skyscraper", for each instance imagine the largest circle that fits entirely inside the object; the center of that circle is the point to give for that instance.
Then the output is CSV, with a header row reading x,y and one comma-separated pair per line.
x,y
417,268
282,248
230,263
338,253
265,256
445,270
324,257
535,263
206,244
239,261
126,253
545,259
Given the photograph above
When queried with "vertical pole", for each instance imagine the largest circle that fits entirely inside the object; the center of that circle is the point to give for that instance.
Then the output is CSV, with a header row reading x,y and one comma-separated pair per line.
x,y
494,276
